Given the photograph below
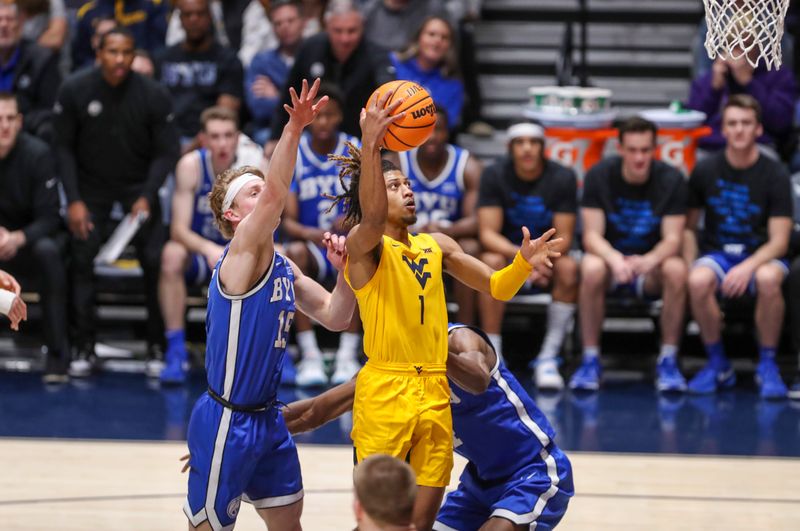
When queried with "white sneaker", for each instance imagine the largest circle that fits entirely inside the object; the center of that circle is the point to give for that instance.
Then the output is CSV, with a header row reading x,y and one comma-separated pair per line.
x,y
311,373
346,368
546,376
80,368
153,368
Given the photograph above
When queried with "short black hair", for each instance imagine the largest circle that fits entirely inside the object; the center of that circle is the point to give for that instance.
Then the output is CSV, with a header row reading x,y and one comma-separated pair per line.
x,y
116,30
637,124
441,113
275,4
332,91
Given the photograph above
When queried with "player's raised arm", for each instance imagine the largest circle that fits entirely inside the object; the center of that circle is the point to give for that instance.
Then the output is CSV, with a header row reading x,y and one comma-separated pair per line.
x,y
257,230
503,284
372,200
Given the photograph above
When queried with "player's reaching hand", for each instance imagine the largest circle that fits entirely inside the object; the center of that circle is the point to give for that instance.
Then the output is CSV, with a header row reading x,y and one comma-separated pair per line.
x,y
539,252
376,118
188,464
303,109
337,252
8,282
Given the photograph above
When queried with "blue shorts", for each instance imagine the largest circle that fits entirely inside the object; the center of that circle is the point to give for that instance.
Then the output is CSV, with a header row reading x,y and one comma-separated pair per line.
x,y
530,497
197,273
238,456
720,263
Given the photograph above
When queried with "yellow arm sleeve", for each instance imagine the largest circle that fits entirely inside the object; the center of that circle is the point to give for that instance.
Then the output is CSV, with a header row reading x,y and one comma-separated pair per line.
x,y
505,283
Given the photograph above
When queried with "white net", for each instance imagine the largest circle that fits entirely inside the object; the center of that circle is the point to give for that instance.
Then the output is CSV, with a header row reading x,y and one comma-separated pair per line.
x,y
750,29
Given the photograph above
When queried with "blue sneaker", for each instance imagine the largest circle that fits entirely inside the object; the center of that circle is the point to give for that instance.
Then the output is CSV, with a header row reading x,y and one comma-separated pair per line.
x,y
711,377
587,377
768,380
176,367
794,390
668,376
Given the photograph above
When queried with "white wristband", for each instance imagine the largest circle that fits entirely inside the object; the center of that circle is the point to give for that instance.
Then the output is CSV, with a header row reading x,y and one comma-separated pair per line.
x,y
6,299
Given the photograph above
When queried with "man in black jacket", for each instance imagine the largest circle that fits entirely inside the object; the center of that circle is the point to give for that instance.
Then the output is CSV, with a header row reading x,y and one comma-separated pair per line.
x,y
116,144
340,56
30,72
29,244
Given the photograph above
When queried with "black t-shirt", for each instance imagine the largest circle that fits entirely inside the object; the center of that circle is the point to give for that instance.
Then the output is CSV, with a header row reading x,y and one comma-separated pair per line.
x,y
634,212
197,79
738,203
528,203
114,142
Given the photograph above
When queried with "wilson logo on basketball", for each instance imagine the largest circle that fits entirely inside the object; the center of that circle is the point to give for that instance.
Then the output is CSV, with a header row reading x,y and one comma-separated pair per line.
x,y
428,109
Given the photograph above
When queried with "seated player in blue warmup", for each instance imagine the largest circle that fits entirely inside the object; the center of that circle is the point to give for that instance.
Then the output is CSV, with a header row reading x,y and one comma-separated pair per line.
x,y
516,478
308,215
634,214
747,201
240,447
445,180
195,242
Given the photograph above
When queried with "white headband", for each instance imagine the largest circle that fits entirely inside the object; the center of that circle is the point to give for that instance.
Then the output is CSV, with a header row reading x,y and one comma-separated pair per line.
x,y
235,185
526,130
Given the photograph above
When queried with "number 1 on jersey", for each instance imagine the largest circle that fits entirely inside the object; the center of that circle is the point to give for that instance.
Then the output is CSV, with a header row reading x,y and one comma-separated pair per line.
x,y
421,309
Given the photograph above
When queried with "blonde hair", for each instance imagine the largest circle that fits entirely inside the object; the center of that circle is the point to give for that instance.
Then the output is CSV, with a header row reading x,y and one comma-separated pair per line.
x,y
449,67
217,195
386,489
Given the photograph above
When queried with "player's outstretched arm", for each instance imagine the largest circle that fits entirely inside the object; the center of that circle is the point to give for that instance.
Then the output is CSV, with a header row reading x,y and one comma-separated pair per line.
x,y
503,284
333,310
257,229
311,413
469,360
367,235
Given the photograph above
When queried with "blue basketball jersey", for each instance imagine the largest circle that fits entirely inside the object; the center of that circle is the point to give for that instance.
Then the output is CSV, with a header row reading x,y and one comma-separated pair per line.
x,y
247,335
314,176
438,199
504,412
203,217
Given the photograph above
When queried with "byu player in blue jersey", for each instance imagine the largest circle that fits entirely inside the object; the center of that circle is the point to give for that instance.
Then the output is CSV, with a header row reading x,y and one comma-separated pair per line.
x,y
307,217
516,477
195,243
239,444
445,180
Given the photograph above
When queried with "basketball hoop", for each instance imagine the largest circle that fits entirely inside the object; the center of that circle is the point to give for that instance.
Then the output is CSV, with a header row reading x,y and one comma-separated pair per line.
x,y
750,29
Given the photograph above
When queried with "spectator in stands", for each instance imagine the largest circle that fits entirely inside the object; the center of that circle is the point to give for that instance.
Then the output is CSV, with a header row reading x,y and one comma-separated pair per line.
x,y
526,188
195,243
116,143
774,90
393,23
44,22
266,75
147,20
30,72
445,180
747,205
340,56
227,21
199,72
29,223
634,214
142,63
306,218
100,26
385,491
431,61
258,33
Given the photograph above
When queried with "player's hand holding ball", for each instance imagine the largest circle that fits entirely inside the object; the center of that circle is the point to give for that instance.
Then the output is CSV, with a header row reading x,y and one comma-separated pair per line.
x,y
414,118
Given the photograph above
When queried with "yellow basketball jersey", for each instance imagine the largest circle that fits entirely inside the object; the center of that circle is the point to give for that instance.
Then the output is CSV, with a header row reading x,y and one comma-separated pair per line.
x,y
402,307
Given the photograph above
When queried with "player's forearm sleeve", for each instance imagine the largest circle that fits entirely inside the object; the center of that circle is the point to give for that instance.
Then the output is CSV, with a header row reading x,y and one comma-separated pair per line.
x,y
505,283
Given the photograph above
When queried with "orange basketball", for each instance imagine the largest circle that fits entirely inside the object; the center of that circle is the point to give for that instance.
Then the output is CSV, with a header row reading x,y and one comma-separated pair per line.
x,y
419,121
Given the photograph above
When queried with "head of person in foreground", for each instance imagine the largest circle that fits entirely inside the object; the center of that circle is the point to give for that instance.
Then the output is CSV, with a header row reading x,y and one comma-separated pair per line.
x,y
385,489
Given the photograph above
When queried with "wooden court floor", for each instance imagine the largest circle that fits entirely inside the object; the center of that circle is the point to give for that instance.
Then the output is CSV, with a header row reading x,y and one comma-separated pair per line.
x,y
81,485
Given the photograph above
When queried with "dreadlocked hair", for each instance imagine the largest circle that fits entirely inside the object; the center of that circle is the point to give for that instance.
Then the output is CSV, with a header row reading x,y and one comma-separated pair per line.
x,y
350,166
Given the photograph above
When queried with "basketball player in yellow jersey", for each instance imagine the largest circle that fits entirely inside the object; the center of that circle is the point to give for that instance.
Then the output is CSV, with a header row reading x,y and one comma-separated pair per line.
x,y
402,401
